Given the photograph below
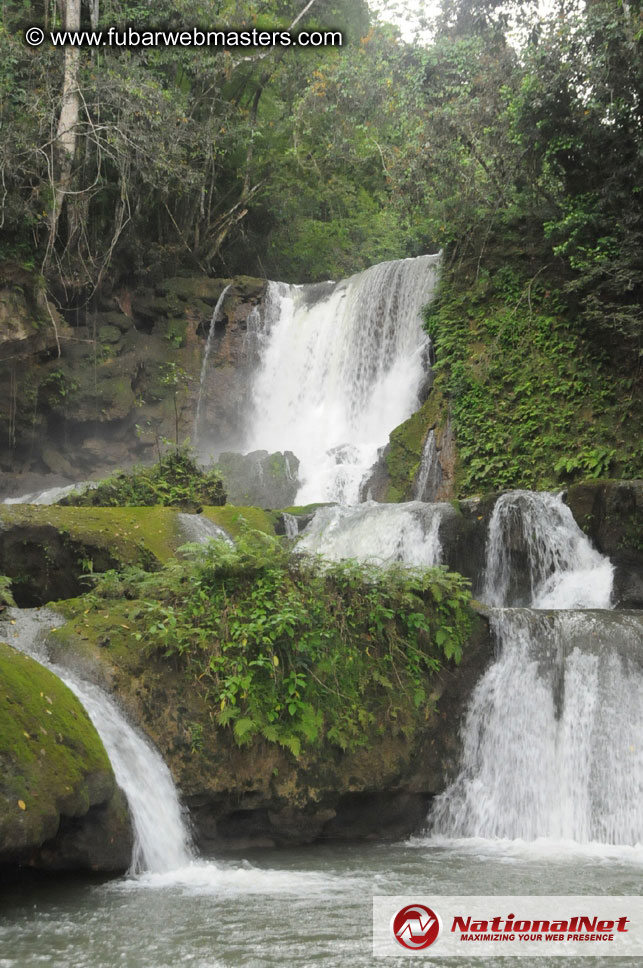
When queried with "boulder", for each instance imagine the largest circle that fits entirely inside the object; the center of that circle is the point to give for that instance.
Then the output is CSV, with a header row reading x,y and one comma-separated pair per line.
x,y
259,479
60,807
611,513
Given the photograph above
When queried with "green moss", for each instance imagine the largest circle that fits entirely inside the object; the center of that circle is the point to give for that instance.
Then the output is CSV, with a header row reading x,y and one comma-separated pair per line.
x,y
51,756
235,519
406,443
133,535
102,633
305,508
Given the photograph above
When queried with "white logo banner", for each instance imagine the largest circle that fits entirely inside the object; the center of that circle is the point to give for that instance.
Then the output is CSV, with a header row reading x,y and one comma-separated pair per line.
x,y
471,926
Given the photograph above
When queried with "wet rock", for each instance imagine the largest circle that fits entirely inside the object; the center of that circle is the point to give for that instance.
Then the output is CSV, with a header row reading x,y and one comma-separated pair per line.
x,y
611,513
259,479
60,807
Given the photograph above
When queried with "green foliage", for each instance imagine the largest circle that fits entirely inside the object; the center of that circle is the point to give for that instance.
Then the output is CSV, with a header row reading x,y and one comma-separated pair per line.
x,y
175,481
58,387
535,404
298,651
6,596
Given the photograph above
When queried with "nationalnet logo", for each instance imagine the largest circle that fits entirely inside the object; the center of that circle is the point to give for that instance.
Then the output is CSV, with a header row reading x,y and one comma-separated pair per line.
x,y
517,926
416,926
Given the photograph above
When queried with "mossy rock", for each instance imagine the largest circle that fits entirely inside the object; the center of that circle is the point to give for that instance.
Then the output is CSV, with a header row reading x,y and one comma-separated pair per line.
x,y
101,393
234,520
53,765
191,289
259,794
404,451
108,334
117,320
48,551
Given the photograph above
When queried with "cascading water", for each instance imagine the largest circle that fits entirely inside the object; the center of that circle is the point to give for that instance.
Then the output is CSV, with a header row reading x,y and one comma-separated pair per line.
x,y
291,526
429,477
343,364
379,534
162,841
200,529
204,365
536,532
553,737
51,495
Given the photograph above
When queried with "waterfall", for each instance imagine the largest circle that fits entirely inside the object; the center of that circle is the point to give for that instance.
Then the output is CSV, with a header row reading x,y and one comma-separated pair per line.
x,y
429,477
537,532
342,365
200,529
52,494
162,841
379,534
553,738
291,525
552,743
204,365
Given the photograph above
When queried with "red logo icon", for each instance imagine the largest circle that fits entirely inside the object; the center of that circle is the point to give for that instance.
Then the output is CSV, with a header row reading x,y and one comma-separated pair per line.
x,y
416,926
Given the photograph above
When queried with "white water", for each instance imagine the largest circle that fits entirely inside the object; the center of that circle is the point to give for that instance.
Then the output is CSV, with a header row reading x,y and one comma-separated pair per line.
x,y
342,366
162,841
200,529
565,571
291,526
51,494
429,476
379,534
204,365
553,738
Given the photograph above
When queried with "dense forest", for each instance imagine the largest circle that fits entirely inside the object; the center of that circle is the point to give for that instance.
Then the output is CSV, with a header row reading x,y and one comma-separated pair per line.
x,y
511,139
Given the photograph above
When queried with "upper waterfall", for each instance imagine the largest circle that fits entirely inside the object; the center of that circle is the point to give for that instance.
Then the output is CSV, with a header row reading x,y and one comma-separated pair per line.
x,y
342,365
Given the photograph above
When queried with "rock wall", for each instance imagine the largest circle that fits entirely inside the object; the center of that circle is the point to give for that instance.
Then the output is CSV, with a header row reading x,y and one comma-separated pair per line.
x,y
128,371
611,513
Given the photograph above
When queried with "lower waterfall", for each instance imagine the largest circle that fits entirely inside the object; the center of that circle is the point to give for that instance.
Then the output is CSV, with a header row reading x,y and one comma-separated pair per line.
x,y
553,738
162,840
552,742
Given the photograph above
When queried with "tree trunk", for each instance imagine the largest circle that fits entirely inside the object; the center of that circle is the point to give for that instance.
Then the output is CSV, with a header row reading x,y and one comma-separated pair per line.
x,y
66,132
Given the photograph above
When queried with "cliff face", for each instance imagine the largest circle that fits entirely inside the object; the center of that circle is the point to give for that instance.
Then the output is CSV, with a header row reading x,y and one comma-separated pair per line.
x,y
100,388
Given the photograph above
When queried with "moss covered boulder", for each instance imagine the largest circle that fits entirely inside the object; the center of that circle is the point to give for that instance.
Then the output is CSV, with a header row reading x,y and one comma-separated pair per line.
x,y
260,479
59,803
